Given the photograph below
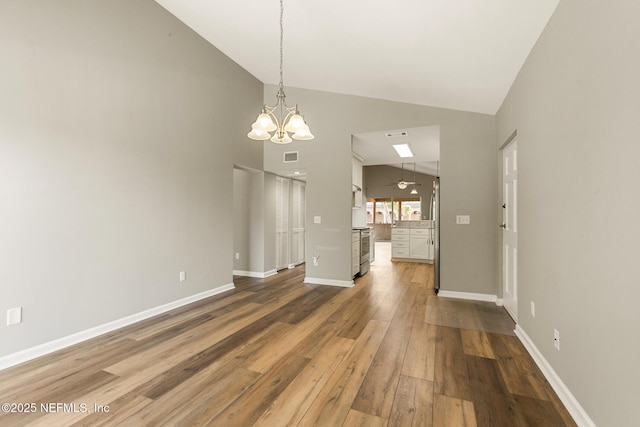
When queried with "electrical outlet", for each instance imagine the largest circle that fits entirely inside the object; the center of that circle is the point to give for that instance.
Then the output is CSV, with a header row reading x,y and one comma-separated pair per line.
x,y
533,309
183,276
556,339
237,255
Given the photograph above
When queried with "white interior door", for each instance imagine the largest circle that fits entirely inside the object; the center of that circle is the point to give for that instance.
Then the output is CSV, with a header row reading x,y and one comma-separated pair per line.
x,y
282,223
298,222
510,228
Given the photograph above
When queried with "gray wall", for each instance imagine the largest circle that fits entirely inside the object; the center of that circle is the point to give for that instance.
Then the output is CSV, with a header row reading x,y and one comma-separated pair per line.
x,y
575,106
468,181
117,128
376,179
242,223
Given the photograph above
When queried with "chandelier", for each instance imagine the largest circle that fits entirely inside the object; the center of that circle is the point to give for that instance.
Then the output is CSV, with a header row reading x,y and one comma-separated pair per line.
x,y
288,119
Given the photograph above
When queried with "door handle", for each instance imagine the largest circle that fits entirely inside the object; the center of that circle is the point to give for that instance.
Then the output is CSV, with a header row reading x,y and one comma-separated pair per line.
x,y
503,226
504,206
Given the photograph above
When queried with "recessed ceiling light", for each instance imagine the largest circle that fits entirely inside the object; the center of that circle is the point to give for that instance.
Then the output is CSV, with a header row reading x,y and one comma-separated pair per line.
x,y
403,150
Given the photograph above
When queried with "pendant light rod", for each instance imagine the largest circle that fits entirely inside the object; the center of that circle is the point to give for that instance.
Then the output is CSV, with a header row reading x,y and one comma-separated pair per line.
x,y
281,45
413,190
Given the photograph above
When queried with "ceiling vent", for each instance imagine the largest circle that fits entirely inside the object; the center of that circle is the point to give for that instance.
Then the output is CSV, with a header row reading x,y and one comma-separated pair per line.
x,y
396,134
291,157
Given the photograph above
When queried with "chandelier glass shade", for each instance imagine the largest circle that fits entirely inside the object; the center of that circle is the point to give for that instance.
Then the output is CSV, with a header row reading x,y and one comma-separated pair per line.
x,y
280,119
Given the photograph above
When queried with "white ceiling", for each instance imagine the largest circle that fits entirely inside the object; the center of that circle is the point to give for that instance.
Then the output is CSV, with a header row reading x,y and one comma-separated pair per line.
x,y
458,54
376,148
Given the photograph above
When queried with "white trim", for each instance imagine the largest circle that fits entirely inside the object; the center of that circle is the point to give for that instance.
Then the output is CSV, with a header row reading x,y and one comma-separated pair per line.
x,y
55,345
500,302
469,296
578,413
255,273
329,282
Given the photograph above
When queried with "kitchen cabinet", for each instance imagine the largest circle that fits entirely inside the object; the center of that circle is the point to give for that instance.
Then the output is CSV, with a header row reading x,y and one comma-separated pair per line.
x,y
400,243
356,181
419,243
412,243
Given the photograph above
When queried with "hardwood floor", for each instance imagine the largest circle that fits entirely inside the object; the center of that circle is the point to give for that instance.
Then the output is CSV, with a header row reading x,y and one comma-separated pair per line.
x,y
277,352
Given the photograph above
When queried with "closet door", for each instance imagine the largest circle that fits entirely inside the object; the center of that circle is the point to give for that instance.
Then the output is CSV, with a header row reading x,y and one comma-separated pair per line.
x,y
282,223
298,222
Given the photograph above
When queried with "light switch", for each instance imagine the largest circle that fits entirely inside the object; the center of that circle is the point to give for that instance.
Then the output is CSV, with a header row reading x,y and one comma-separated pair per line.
x,y
183,276
463,219
317,219
14,316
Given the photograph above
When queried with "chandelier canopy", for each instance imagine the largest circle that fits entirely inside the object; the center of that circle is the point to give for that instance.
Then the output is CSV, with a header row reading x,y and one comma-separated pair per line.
x,y
280,119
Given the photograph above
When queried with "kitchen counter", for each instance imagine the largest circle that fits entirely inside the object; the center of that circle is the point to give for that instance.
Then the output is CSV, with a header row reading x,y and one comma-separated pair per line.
x,y
413,224
412,241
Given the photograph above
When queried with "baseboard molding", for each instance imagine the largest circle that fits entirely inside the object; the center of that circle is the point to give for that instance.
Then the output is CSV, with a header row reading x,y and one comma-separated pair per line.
x,y
255,274
51,346
469,296
329,282
578,413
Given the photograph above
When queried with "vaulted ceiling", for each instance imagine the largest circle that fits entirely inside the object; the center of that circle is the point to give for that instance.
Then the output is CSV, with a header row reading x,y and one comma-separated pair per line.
x,y
458,54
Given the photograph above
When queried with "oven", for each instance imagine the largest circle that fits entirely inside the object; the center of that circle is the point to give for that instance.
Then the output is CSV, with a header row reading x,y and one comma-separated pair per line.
x,y
365,249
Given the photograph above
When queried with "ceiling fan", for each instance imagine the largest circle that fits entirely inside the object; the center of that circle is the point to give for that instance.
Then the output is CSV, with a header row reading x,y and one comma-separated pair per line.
x,y
402,184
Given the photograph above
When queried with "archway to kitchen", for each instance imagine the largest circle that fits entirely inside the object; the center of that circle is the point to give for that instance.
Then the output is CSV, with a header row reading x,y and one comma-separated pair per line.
x,y
396,194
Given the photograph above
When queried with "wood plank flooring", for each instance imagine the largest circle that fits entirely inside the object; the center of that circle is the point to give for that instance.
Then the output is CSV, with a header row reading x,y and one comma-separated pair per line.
x,y
278,352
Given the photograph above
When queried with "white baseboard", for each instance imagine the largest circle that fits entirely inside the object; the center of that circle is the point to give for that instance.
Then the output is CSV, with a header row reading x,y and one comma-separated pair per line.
x,y
578,413
469,296
255,274
329,282
51,346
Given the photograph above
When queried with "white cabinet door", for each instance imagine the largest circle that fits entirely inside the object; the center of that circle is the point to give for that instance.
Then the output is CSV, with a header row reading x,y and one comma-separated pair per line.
x,y
419,247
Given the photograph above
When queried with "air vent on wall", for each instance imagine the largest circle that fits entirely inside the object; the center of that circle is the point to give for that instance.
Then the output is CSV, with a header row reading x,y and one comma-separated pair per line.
x,y
291,156
396,134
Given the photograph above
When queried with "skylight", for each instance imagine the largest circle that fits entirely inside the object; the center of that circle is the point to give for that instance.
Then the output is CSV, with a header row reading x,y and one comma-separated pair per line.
x,y
403,150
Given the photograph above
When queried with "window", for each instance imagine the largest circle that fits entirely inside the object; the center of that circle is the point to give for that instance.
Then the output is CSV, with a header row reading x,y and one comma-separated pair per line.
x,y
386,211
